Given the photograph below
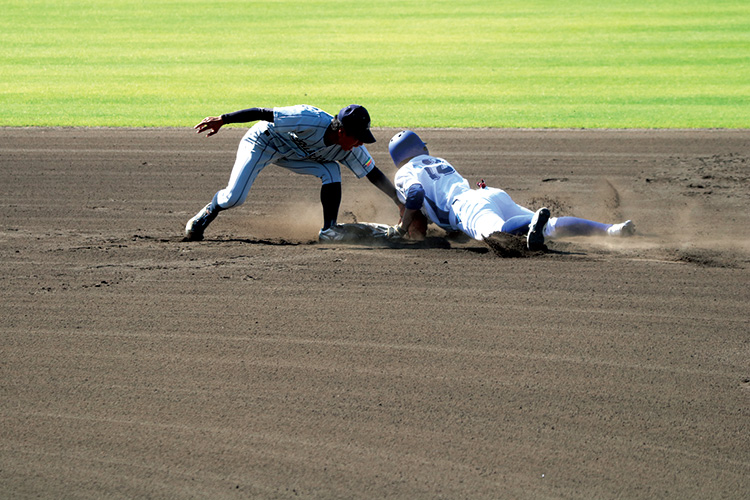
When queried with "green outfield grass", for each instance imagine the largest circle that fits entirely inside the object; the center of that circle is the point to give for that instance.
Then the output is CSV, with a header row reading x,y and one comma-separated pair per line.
x,y
482,63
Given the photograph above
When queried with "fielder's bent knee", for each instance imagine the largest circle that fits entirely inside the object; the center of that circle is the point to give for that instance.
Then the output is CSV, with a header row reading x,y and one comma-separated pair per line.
x,y
229,199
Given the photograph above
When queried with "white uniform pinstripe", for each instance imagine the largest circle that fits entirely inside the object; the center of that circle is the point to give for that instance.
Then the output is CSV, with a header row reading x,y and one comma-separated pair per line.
x,y
293,141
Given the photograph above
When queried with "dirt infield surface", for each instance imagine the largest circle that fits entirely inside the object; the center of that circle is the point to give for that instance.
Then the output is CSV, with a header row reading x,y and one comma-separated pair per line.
x,y
262,364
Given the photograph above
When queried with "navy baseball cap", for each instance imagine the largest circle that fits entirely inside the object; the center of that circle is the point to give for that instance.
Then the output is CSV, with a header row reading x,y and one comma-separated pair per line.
x,y
356,122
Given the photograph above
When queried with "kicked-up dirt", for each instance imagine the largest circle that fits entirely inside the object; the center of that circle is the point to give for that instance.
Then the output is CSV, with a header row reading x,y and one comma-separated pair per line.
x,y
259,363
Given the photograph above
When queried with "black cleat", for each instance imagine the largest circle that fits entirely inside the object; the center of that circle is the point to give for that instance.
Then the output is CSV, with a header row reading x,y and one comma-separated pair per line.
x,y
535,237
195,226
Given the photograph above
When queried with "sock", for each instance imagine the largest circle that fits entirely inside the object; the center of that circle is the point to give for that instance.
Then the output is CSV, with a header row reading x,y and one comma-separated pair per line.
x,y
574,226
330,198
517,225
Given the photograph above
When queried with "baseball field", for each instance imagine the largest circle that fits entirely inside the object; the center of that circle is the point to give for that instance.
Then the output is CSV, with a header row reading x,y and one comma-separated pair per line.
x,y
260,363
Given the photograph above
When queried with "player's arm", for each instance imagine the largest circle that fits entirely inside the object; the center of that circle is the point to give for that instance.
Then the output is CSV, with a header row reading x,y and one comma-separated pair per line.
x,y
378,178
407,218
414,201
214,123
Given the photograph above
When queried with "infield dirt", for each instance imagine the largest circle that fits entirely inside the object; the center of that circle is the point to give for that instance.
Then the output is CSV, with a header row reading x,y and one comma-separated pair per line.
x,y
261,364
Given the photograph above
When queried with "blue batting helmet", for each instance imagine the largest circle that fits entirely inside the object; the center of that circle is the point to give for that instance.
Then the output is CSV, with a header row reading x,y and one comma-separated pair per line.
x,y
404,146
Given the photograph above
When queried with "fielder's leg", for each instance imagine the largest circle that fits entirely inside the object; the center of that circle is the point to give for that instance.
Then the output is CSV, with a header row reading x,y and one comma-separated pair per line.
x,y
195,226
253,154
330,198
329,174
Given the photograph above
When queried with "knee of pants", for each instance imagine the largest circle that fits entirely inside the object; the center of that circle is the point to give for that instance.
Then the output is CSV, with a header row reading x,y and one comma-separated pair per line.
x,y
330,177
327,172
227,198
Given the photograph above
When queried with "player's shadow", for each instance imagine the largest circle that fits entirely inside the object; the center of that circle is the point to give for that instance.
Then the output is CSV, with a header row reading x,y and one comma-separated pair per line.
x,y
263,241
427,243
248,241
502,245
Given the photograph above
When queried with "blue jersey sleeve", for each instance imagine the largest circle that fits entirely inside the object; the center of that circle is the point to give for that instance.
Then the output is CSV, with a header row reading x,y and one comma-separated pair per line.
x,y
415,197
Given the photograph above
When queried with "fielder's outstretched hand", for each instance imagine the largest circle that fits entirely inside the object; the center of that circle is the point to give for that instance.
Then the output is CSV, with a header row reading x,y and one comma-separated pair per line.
x,y
213,123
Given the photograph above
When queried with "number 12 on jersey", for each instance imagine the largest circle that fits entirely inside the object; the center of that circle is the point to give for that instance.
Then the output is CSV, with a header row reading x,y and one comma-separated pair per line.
x,y
436,172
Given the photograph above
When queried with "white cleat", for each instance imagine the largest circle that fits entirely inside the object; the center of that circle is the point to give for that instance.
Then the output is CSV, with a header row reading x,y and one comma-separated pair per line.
x,y
333,233
535,237
623,229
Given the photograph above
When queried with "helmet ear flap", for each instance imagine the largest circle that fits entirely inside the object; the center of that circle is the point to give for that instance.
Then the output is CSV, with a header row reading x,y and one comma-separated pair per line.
x,y
404,146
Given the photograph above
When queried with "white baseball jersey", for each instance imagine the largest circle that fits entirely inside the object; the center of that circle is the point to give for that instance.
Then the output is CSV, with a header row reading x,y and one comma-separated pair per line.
x,y
293,141
297,134
450,202
441,185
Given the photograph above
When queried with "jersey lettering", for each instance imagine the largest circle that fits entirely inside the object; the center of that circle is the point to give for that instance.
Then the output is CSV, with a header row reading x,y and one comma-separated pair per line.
x,y
300,144
436,172
306,150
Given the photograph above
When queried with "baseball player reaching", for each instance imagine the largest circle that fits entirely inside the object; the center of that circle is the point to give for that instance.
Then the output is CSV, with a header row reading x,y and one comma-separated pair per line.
x,y
431,185
303,139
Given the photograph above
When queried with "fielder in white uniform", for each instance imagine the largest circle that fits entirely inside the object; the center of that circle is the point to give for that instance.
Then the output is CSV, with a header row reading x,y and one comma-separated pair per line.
x,y
432,185
303,139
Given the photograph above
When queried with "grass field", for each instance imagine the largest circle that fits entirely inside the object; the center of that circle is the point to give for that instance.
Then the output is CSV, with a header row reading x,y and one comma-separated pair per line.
x,y
482,63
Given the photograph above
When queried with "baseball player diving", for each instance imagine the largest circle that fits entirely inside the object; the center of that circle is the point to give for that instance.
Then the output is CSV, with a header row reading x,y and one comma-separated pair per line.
x,y
303,139
431,185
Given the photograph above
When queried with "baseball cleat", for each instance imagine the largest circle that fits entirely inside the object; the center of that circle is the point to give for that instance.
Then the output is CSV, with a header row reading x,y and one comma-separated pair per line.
x,y
535,237
622,229
195,226
333,233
